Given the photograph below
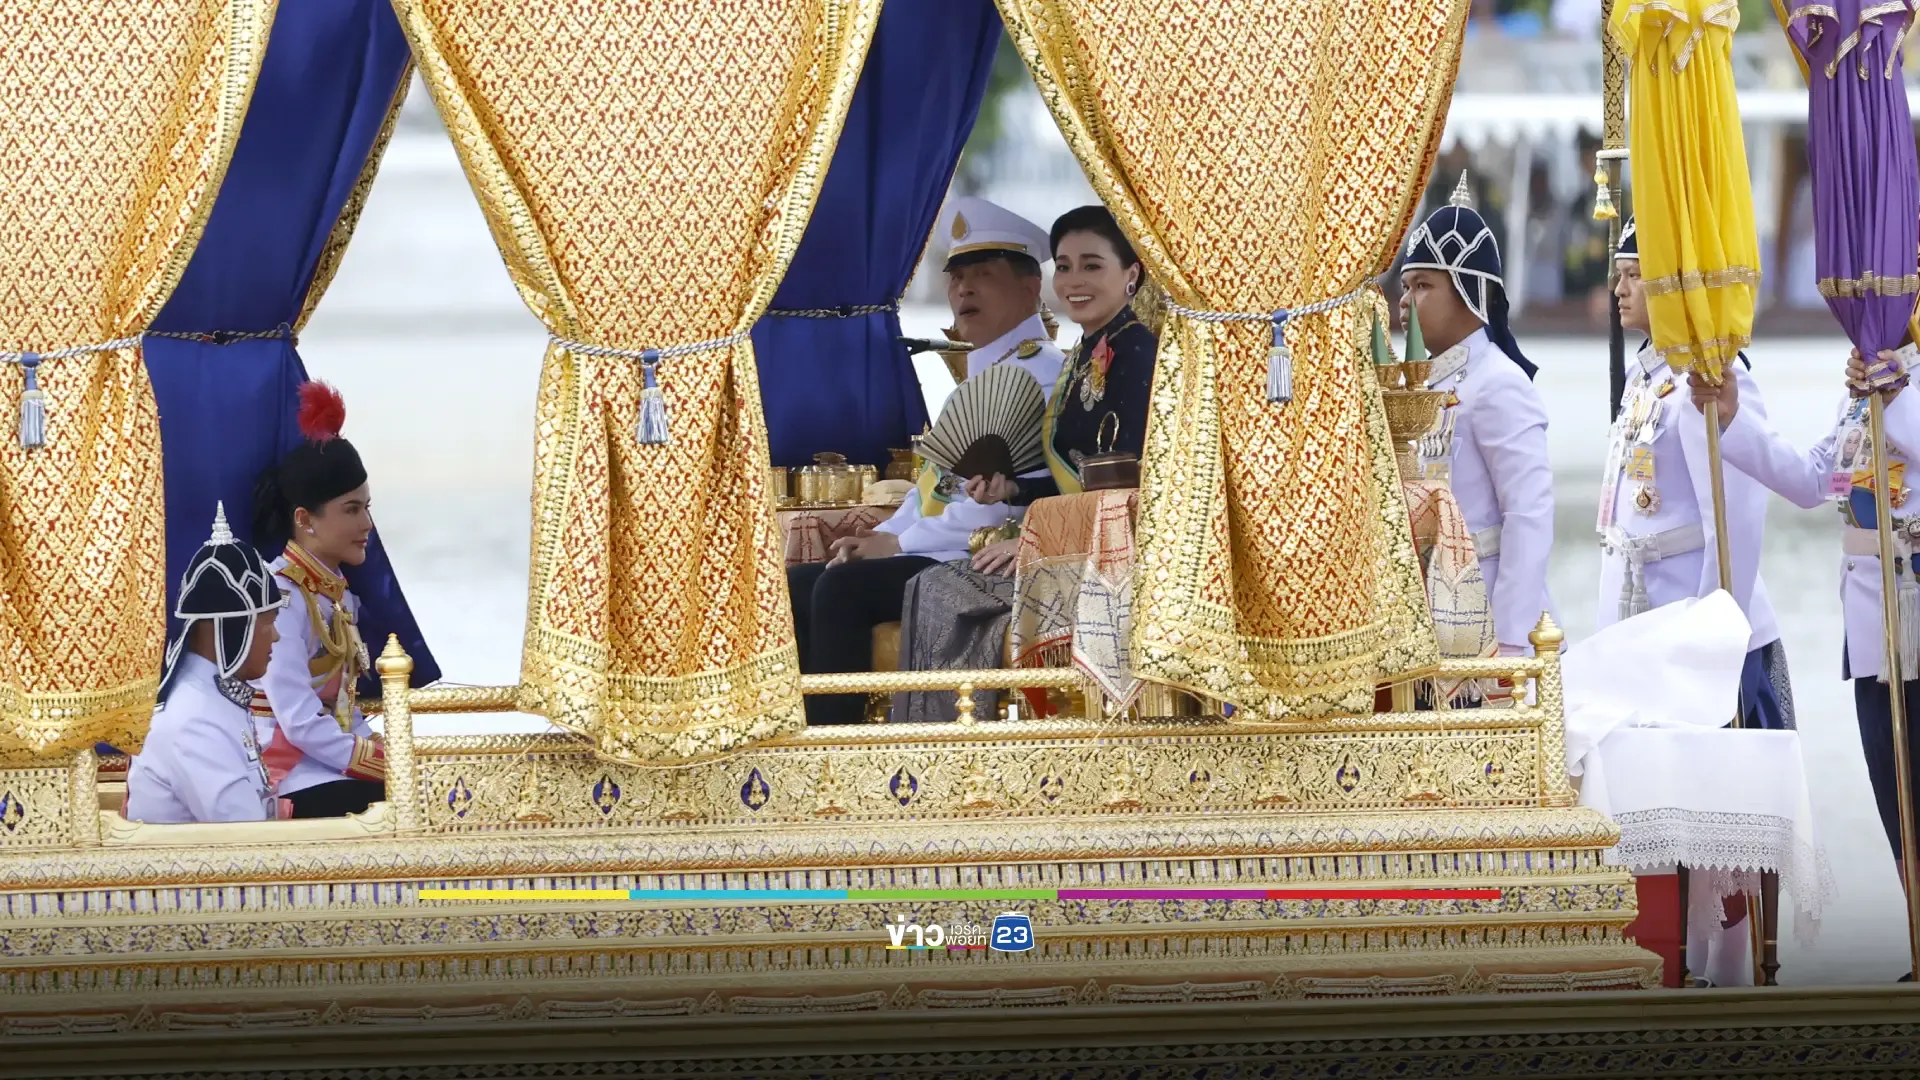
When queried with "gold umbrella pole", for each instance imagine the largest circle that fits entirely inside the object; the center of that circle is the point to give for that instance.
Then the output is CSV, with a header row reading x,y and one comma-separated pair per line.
x,y
1723,550
1896,685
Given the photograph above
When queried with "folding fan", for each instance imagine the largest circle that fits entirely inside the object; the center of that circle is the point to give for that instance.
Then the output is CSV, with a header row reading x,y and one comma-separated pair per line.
x,y
991,424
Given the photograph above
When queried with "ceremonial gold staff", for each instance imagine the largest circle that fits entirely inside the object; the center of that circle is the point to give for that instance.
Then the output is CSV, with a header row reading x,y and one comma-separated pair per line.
x,y
1607,197
1896,685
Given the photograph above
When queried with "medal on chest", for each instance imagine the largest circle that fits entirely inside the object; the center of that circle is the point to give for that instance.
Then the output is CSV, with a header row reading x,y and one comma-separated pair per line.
x,y
1093,377
1630,453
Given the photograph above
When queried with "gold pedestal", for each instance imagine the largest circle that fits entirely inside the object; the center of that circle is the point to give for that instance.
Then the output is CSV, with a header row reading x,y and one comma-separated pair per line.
x,y
105,924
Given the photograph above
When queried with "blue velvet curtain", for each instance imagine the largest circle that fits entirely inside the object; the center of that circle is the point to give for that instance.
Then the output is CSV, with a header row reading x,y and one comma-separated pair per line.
x,y
227,410
845,383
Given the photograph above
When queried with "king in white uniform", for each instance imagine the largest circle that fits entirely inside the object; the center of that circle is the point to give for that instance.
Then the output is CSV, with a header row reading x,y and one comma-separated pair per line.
x,y
1493,432
993,287
201,761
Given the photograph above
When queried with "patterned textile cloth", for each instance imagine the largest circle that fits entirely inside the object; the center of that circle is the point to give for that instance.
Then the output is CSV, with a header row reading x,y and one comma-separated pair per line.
x,y
1276,571
953,618
1073,602
1456,593
807,534
116,131
647,178
1692,195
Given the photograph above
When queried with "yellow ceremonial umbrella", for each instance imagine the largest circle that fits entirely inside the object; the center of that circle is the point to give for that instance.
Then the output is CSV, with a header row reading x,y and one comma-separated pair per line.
x,y
1699,252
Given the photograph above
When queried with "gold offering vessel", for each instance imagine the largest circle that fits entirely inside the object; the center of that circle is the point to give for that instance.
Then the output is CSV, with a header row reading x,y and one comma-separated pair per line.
x,y
830,481
1412,409
1410,415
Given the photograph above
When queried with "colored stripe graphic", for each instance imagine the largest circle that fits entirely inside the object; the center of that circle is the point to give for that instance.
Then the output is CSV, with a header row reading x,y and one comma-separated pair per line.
x,y
762,895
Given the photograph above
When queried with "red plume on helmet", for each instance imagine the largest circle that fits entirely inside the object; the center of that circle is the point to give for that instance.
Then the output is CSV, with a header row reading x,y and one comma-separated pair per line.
x,y
322,412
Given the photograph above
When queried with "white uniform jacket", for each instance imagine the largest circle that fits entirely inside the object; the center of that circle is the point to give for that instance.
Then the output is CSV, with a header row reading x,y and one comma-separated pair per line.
x,y
944,537
1670,543
294,709
1501,478
1751,445
201,761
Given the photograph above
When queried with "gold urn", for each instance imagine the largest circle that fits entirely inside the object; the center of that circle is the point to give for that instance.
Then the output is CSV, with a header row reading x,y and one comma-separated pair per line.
x,y
1411,414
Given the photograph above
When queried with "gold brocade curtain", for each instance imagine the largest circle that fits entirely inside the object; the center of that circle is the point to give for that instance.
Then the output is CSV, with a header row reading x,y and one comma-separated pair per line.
x,y
1693,199
1261,155
116,129
647,169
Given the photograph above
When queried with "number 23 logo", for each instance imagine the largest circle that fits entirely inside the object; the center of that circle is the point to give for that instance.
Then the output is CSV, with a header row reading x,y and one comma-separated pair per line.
x,y
1012,932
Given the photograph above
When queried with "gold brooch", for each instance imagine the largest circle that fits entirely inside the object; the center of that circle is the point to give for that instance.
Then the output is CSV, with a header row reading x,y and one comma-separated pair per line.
x,y
1027,350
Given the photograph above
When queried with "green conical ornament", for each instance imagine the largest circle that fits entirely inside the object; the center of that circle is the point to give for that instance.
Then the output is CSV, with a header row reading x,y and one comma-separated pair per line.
x,y
1382,352
1416,344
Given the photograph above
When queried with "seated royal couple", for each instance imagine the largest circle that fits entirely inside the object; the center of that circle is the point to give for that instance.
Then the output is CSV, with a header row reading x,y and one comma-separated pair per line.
x,y
256,718
916,567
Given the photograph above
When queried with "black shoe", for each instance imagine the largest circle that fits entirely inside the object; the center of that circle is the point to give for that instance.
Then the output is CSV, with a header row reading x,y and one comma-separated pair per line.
x,y
1908,977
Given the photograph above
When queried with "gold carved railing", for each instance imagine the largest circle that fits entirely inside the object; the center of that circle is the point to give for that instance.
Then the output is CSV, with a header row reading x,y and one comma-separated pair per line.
x,y
1408,759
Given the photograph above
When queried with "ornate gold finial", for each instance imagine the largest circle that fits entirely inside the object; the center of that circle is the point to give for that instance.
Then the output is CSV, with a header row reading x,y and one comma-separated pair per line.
x,y
222,534
394,659
1547,636
963,703
1047,320
1462,196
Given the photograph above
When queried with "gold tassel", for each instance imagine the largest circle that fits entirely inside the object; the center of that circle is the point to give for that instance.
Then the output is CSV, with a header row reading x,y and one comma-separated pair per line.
x,y
1602,196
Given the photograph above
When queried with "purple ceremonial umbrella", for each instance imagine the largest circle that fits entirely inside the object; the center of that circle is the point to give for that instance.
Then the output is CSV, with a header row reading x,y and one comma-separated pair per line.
x,y
1866,228
1860,150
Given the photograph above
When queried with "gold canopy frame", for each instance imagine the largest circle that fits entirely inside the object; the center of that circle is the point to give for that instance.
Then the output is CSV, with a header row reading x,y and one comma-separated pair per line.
x,y
101,918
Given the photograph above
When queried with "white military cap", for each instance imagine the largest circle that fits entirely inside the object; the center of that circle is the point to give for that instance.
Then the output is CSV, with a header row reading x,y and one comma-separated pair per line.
x,y
972,224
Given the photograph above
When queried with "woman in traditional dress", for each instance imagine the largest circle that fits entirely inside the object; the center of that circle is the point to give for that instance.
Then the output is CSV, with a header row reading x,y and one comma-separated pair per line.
x,y
956,614
314,505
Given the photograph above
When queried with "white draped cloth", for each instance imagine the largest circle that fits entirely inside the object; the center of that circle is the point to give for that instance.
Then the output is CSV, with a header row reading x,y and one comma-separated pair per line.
x,y
1646,703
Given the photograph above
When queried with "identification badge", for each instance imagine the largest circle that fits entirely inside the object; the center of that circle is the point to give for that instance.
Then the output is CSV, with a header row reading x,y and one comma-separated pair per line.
x,y
1610,476
1852,452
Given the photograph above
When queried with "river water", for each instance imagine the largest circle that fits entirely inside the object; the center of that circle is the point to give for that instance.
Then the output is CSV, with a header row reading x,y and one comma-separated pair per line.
x,y
439,362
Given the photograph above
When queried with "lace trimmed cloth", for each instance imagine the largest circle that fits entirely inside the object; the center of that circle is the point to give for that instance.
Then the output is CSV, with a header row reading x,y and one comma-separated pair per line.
x,y
1725,803
1653,752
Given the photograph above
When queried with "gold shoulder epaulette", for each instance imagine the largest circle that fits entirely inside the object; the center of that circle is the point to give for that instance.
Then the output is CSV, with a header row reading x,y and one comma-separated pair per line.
x,y
1028,349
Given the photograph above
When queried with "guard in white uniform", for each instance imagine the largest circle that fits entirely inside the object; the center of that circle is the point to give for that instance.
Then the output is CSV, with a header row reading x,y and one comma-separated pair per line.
x,y
1839,468
1656,508
1493,432
201,761
993,287
1658,547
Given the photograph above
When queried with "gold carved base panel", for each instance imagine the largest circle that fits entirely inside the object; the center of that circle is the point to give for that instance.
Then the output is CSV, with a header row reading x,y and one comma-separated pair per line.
x,y
111,927
992,771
